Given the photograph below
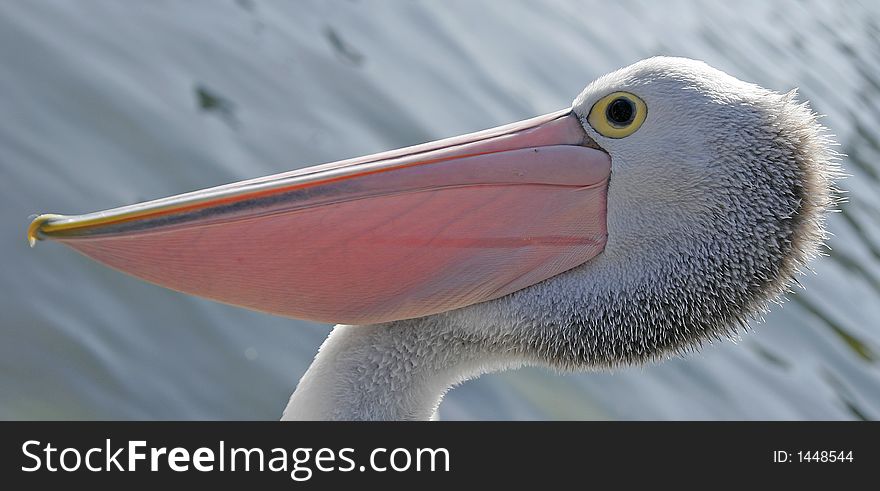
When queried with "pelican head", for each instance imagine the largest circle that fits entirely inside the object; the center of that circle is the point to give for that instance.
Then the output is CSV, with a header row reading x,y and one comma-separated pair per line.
x,y
665,208
717,197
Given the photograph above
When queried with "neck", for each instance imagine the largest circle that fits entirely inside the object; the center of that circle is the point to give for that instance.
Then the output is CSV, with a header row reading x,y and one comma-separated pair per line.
x,y
616,309
395,371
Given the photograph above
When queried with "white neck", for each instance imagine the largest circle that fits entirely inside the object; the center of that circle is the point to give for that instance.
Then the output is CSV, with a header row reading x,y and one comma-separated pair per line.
x,y
396,371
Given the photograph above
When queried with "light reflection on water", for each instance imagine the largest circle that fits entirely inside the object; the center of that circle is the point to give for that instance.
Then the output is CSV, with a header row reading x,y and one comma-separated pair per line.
x,y
108,103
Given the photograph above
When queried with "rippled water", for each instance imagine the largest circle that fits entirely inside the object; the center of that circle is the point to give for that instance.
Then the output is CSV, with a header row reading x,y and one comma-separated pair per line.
x,y
104,103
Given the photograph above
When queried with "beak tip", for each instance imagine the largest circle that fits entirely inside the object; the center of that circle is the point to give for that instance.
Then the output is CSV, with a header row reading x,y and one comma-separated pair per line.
x,y
35,229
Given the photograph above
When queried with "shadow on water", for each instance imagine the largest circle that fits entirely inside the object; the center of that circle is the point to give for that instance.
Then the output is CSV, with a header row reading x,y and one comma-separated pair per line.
x,y
343,50
860,231
855,268
769,356
855,344
248,5
209,101
863,138
845,396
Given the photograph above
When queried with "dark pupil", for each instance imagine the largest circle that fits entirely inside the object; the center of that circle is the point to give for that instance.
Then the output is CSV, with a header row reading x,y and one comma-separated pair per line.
x,y
621,111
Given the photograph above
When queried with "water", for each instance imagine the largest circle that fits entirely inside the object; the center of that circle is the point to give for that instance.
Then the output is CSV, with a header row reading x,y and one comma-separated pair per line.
x,y
104,103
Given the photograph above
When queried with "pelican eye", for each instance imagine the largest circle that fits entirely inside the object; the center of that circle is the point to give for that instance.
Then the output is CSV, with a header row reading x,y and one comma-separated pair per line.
x,y
618,114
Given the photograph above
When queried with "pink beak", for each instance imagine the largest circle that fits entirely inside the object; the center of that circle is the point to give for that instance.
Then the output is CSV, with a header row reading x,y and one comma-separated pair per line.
x,y
395,235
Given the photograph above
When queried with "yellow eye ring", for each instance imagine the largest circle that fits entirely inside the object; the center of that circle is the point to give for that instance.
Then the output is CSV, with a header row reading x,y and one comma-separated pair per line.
x,y
618,114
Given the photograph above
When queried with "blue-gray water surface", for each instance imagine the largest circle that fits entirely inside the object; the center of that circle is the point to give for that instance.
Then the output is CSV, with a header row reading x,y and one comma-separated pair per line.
x,y
104,103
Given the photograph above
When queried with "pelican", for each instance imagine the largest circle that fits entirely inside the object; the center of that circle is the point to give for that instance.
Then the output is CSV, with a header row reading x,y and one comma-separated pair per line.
x,y
664,209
